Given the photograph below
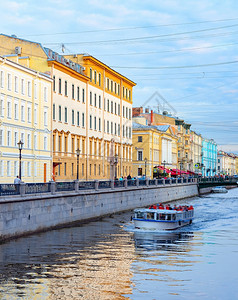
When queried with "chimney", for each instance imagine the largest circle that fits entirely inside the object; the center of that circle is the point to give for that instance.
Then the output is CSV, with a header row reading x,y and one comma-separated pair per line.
x,y
136,111
147,110
151,117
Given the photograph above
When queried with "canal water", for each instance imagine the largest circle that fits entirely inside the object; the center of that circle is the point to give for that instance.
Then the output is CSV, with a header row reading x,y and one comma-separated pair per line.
x,y
108,259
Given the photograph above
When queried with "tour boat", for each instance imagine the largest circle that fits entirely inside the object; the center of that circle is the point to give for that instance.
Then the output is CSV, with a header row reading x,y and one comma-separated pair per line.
x,y
162,219
219,189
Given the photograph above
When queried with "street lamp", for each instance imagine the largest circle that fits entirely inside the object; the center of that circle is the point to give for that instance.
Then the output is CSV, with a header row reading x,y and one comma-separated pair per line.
x,y
116,162
164,162
78,153
145,166
20,145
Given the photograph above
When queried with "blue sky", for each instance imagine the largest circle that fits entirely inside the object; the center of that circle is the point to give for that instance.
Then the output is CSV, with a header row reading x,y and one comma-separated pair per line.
x,y
185,50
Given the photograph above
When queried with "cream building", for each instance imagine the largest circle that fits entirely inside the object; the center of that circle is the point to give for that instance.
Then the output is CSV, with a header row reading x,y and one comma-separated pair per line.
x,y
196,151
25,114
91,111
226,163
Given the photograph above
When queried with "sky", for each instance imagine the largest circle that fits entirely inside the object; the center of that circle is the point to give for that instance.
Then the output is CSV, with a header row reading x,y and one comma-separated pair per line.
x,y
182,51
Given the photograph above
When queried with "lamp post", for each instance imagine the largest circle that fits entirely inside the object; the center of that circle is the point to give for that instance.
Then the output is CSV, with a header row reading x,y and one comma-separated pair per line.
x,y
116,162
20,145
145,166
78,153
164,162
180,166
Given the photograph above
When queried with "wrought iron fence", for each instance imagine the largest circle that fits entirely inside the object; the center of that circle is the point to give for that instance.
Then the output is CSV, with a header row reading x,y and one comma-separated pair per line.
x,y
86,185
35,188
105,184
118,183
131,182
9,189
142,182
65,186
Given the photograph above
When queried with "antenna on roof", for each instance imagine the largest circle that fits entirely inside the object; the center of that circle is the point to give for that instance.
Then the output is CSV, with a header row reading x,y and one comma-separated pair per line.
x,y
63,47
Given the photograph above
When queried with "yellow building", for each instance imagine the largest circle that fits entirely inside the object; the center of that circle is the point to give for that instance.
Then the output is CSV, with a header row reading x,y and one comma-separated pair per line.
x,y
226,163
153,146
25,114
92,109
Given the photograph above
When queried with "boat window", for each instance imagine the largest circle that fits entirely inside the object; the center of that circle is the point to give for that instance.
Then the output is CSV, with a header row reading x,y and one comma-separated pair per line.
x,y
168,217
161,217
150,216
139,215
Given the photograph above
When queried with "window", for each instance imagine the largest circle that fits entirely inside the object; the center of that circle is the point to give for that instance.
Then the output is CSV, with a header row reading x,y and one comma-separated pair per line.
x,y
83,96
78,91
45,94
99,102
23,87
83,121
118,90
29,114
108,105
99,79
9,110
65,88
16,84
35,113
15,110
53,83
8,138
107,126
65,115
60,88
35,91
95,100
1,79
115,88
123,130
1,137
28,169
111,127
95,77
29,89
111,86
1,106
95,123
45,142
119,110
60,113
139,155
45,117
90,122
73,117
115,131
123,111
9,82
115,109
139,171
15,139
129,113
72,91
111,107
118,130
28,140
139,139
99,124
91,74
65,169
77,118
126,112
91,100
23,113
8,168
53,111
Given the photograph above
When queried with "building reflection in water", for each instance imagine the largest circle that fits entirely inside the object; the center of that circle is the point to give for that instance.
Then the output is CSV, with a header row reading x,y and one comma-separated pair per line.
x,y
88,262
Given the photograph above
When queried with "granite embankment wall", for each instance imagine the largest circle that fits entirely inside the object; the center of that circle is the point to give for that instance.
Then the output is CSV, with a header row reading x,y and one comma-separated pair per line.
x,y
40,212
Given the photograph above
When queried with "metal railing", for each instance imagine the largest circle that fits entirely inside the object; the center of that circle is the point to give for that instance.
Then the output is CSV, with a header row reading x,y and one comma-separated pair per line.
x,y
57,187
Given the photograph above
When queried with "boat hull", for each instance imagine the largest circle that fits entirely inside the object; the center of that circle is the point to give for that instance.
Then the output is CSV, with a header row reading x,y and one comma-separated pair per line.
x,y
160,225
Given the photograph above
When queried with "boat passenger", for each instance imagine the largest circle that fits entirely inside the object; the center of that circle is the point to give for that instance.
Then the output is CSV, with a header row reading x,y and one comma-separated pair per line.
x,y
161,206
190,207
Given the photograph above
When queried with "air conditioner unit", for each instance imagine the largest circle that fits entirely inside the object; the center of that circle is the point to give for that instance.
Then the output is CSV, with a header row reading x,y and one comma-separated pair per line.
x,y
18,50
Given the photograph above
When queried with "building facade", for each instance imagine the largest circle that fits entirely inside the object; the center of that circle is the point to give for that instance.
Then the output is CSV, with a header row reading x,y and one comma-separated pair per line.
x,y
196,152
25,115
153,146
91,111
209,157
226,163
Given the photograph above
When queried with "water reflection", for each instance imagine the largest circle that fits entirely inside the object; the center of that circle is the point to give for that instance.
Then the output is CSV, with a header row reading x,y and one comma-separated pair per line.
x,y
169,241
87,262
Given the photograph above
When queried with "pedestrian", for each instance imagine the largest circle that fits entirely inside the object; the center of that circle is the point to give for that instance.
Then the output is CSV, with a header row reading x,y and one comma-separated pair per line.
x,y
17,180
